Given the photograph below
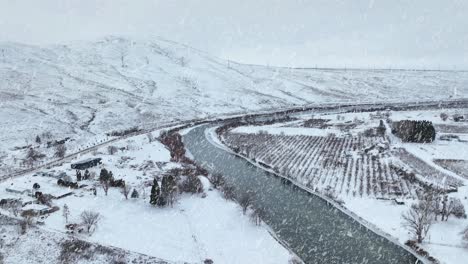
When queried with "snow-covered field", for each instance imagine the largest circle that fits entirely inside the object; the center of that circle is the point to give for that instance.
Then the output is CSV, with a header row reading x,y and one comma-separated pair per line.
x,y
197,227
444,240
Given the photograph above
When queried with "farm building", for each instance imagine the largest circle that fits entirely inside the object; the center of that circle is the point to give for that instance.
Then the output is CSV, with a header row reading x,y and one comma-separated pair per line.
x,y
18,190
86,164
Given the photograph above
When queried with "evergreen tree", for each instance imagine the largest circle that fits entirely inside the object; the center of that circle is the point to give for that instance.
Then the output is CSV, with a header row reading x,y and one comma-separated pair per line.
x,y
168,189
381,128
78,175
155,193
104,175
135,194
86,176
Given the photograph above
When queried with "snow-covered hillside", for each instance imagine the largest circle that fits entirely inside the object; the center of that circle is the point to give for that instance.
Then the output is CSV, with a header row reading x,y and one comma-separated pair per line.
x,y
85,89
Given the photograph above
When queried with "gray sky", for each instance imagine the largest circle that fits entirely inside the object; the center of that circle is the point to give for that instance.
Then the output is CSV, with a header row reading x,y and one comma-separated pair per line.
x,y
326,33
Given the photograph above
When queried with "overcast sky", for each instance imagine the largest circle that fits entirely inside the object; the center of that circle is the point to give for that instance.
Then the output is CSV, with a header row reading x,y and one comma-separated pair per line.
x,y
324,33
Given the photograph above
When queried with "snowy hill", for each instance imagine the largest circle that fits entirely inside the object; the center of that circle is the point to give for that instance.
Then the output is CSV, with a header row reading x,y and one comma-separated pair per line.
x,y
85,89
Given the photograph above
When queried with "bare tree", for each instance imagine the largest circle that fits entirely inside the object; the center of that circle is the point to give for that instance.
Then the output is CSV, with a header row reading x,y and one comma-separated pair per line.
x,y
112,150
105,186
123,54
418,220
125,191
150,137
60,151
32,156
66,212
90,220
14,207
257,215
455,207
27,221
465,236
229,192
245,201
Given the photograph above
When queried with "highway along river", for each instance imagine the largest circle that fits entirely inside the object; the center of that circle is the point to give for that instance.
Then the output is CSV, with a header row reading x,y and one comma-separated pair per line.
x,y
315,230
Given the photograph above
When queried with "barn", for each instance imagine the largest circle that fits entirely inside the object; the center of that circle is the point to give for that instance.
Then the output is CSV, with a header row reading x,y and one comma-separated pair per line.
x,y
86,164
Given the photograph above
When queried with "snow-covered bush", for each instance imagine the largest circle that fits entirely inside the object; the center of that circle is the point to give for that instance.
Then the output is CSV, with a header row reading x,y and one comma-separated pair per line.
x,y
112,150
229,192
443,116
456,208
60,151
465,235
217,180
191,184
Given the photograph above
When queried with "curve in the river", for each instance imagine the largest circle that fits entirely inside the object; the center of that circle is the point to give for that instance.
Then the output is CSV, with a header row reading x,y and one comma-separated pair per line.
x,y
315,230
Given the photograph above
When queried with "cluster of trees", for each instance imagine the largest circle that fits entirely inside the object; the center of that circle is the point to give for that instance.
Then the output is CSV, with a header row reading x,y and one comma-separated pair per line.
x,y
66,183
60,151
419,218
86,176
175,181
106,178
124,132
173,141
88,224
245,200
33,156
414,131
166,194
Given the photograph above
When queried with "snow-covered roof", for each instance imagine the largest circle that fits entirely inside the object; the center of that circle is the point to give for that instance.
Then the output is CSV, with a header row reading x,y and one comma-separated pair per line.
x,y
86,160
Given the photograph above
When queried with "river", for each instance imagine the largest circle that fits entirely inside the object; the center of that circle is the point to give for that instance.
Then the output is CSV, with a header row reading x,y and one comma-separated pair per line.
x,y
314,229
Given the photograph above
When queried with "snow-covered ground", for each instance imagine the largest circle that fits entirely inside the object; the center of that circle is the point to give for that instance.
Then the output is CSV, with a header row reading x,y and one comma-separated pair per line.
x,y
444,240
197,227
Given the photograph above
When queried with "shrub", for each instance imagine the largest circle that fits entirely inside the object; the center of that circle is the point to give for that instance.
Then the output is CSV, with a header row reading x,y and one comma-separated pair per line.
x,y
112,150
68,184
245,201
229,192
456,208
135,194
191,184
444,116
464,234
217,180
72,250
60,151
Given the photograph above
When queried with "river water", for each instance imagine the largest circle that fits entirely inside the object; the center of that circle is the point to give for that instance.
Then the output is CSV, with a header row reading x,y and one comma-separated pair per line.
x,y
315,230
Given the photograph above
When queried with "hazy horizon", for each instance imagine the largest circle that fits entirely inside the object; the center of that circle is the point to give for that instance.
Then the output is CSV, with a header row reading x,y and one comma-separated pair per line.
x,y
325,34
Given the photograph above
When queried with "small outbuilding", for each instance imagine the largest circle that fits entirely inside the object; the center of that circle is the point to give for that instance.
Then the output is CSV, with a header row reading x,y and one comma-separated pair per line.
x,y
86,164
